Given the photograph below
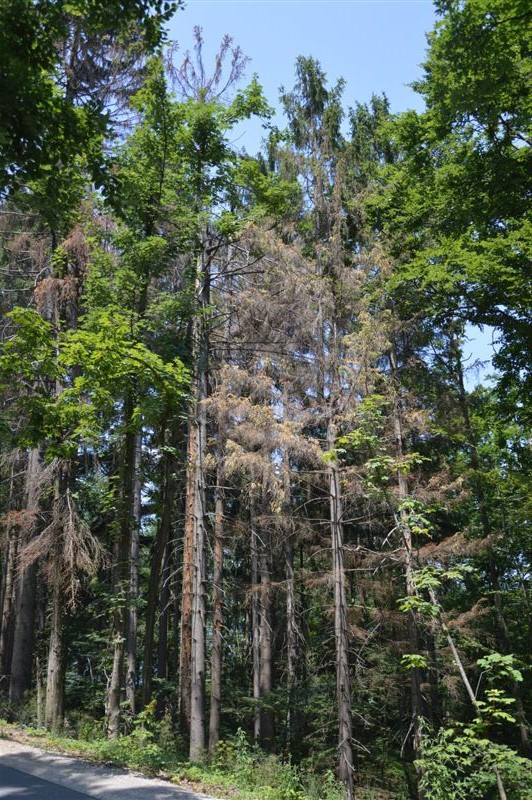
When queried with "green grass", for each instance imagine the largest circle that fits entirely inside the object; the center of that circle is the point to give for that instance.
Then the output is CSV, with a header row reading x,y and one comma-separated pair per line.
x,y
237,770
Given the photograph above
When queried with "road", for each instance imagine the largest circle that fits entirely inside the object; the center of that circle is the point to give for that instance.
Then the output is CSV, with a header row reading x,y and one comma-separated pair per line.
x,y
28,773
15,784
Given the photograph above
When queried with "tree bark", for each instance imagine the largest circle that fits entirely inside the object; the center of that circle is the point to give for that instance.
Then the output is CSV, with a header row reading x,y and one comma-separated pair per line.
x,y
134,578
217,612
267,723
24,629
197,661
122,574
197,655
291,637
162,643
343,680
157,560
291,625
255,621
54,704
185,650
8,589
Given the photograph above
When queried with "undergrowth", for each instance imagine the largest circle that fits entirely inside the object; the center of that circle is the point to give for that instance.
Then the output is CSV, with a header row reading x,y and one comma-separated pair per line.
x,y
236,769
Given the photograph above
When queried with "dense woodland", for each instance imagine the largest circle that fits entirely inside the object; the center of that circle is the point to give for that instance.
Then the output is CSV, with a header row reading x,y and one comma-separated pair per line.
x,y
246,489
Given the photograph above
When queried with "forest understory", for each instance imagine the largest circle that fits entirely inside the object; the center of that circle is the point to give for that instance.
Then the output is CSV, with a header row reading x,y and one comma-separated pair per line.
x,y
260,531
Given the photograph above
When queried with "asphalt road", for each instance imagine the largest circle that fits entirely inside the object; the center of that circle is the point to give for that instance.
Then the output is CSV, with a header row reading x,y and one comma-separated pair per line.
x,y
17,785
29,773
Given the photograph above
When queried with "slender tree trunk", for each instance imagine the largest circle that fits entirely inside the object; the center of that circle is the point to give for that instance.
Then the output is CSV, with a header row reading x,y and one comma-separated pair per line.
x,y
55,671
291,637
197,659
40,694
8,588
267,723
343,679
9,592
185,650
134,578
217,613
24,629
157,560
176,555
54,705
162,642
255,621
122,574
291,626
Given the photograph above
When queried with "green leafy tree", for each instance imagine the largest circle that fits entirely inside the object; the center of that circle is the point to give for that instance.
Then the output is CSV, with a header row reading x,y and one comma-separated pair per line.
x,y
58,81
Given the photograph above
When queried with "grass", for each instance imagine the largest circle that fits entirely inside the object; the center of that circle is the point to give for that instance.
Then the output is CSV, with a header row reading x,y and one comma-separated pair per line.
x,y
237,771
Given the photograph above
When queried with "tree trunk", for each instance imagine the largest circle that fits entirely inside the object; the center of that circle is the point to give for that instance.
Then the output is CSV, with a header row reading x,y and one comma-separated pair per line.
x,y
291,626
185,650
24,628
197,661
343,680
134,578
54,705
162,643
122,574
157,560
267,723
40,694
24,634
8,593
255,621
152,607
217,612
291,637
197,655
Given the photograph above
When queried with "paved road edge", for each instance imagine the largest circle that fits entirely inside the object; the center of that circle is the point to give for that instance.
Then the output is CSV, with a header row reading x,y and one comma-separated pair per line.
x,y
96,781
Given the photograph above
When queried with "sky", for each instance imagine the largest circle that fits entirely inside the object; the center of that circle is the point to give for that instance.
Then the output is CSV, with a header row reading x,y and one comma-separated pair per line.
x,y
375,45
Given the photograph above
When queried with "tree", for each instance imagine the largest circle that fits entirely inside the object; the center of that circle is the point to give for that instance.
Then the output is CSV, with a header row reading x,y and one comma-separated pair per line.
x,y
456,208
59,79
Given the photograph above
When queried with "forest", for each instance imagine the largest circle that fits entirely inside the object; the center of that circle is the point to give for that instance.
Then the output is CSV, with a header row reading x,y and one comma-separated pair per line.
x,y
257,522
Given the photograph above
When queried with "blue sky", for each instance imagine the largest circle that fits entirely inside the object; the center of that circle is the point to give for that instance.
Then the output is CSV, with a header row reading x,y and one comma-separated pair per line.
x,y
376,45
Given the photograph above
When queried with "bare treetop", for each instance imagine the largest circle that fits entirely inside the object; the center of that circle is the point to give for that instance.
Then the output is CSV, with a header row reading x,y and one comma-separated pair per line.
x,y
191,77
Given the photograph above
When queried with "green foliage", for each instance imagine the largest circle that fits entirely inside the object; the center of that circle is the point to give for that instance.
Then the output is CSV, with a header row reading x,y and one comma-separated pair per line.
x,y
97,365
414,511
253,771
454,202
414,661
46,119
497,665
416,604
495,708
459,764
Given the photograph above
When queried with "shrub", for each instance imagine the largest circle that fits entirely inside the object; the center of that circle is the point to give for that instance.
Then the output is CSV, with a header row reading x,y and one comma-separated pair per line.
x,y
459,764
